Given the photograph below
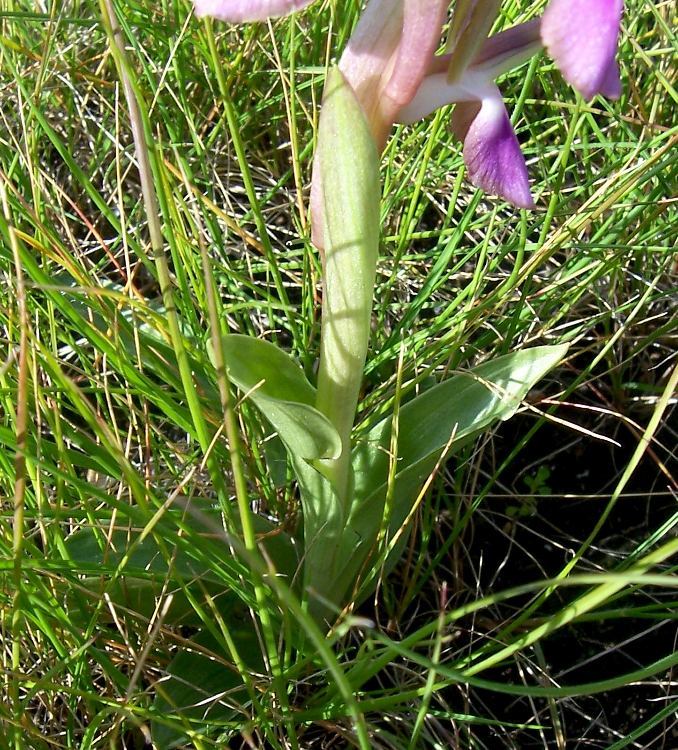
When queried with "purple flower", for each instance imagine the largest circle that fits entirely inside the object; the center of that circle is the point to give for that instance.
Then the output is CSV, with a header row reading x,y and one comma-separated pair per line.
x,y
581,36
491,151
391,64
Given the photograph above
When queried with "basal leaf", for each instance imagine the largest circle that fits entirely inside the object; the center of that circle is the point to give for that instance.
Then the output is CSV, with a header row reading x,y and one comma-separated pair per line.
x,y
459,408
133,571
203,689
277,385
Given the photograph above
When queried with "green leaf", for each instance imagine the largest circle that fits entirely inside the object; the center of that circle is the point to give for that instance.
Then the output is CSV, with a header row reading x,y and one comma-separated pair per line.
x,y
278,387
460,408
204,690
134,571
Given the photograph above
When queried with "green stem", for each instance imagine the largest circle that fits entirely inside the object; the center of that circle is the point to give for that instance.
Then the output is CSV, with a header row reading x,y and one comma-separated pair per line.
x,y
346,313
346,193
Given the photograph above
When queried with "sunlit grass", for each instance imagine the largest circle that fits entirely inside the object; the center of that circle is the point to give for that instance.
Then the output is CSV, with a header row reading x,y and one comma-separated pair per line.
x,y
486,634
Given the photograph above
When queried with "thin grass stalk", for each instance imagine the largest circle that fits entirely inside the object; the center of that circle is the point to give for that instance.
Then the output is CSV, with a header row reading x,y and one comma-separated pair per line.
x,y
586,602
643,443
240,481
246,174
382,536
230,422
21,427
145,156
139,121
156,205
563,158
290,99
422,713
528,611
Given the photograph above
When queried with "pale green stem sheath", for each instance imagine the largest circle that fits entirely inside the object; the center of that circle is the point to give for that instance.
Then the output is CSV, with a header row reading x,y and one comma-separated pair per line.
x,y
347,198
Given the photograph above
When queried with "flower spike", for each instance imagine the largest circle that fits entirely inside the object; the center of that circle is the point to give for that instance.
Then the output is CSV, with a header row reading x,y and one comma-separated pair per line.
x,y
390,63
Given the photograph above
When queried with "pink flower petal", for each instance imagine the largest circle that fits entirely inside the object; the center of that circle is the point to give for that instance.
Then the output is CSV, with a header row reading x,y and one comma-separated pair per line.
x,y
368,59
422,29
491,150
509,49
238,11
581,37
389,54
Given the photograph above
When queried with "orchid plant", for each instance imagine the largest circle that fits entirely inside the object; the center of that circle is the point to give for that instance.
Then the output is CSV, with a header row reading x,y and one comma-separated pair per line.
x,y
403,61
391,72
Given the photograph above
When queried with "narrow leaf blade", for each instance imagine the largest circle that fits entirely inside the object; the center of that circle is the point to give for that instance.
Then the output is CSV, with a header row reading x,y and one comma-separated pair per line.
x,y
445,416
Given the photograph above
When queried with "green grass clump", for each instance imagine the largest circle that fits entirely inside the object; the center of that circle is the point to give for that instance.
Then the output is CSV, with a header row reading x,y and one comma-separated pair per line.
x,y
534,605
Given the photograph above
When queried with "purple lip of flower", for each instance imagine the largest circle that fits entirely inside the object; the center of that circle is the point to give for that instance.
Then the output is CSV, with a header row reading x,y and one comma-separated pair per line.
x,y
390,63
581,36
491,150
